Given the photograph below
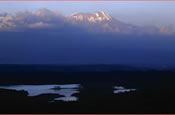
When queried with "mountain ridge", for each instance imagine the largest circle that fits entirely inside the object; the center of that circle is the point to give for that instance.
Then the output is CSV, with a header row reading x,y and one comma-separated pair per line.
x,y
99,21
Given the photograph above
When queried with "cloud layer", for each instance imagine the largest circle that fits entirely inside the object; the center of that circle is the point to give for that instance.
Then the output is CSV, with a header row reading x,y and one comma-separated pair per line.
x,y
44,19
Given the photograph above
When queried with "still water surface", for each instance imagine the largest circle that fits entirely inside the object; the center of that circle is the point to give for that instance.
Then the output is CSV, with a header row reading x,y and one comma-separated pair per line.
x,y
121,89
66,90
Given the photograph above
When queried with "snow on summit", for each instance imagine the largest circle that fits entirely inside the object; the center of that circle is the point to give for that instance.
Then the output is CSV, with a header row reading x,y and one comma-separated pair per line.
x,y
91,17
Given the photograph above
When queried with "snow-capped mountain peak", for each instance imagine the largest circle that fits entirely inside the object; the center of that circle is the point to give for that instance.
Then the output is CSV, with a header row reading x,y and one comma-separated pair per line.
x,y
91,17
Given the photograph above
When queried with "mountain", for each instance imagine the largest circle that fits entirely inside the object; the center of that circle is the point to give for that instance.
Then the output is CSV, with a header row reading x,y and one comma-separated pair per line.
x,y
95,22
91,17
103,22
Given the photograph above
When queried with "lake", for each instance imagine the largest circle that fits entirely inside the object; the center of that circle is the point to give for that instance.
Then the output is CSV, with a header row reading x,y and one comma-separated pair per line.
x,y
66,90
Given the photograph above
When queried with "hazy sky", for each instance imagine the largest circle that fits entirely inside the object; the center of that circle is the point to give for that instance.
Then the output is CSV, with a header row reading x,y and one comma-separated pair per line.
x,y
136,12
53,41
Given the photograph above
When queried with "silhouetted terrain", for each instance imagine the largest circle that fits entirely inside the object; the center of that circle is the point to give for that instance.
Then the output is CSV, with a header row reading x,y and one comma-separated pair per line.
x,y
154,94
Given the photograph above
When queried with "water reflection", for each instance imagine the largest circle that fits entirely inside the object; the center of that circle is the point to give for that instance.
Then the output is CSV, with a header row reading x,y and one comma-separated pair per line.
x,y
67,99
66,90
121,89
67,95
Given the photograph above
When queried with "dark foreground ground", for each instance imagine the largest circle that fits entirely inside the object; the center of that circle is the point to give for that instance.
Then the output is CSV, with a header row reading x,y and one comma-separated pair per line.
x,y
155,92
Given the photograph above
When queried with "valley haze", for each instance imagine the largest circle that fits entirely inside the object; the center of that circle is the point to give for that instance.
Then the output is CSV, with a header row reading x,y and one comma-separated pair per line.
x,y
49,37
